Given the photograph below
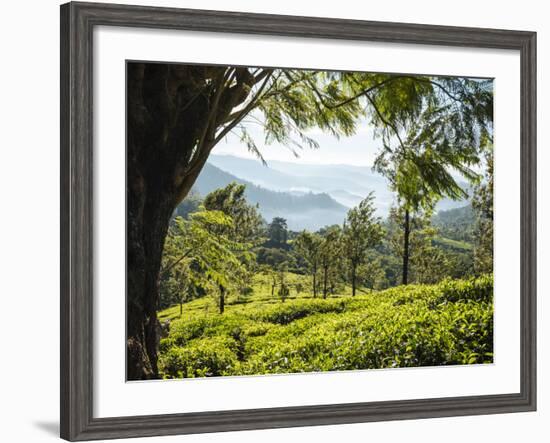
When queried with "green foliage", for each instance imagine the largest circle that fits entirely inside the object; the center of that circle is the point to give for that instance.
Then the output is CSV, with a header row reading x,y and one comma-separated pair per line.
x,y
278,233
456,224
247,223
371,274
330,253
447,243
362,231
421,254
308,245
199,252
207,358
297,310
483,207
190,204
273,256
430,132
407,326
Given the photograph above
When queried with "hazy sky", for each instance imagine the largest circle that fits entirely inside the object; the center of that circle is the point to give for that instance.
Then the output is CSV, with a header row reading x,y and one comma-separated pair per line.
x,y
358,150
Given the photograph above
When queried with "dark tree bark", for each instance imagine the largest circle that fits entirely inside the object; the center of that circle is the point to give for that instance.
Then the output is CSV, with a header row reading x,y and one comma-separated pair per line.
x,y
173,113
407,232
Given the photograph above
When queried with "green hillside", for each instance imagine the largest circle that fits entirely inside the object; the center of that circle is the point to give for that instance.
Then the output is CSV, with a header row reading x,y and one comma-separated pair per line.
x,y
416,325
456,245
456,224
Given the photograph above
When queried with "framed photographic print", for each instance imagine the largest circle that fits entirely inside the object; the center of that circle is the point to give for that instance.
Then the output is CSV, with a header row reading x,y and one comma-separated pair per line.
x,y
274,221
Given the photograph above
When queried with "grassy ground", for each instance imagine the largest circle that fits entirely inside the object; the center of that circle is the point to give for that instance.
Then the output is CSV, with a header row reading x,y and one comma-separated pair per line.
x,y
415,325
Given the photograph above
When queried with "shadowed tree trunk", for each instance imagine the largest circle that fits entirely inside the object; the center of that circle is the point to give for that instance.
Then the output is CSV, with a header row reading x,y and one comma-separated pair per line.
x,y
407,231
173,114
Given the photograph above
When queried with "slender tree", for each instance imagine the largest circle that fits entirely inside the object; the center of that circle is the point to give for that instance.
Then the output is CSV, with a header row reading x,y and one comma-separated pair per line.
x,y
362,231
410,237
329,253
284,290
308,246
447,136
211,259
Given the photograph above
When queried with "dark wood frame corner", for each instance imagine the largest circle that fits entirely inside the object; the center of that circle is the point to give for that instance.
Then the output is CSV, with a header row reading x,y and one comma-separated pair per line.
x,y
77,23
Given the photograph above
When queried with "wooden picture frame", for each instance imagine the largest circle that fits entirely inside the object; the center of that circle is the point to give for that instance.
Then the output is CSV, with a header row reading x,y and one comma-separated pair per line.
x,y
77,23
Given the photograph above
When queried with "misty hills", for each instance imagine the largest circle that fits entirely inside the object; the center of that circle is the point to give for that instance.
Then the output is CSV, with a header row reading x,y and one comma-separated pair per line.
x,y
346,184
309,196
302,210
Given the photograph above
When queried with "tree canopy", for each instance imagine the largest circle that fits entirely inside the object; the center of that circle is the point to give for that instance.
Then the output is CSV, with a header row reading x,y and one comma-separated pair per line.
x,y
362,231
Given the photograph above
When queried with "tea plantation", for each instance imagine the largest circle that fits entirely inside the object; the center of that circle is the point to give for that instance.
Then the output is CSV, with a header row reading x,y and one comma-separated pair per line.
x,y
448,323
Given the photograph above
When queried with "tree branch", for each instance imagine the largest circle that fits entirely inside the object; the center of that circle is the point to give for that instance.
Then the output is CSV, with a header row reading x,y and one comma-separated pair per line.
x,y
165,270
355,97
243,112
438,85
213,109
385,121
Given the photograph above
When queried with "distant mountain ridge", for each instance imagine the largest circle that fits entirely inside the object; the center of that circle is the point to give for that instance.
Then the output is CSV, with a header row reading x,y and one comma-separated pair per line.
x,y
301,210
346,184
309,196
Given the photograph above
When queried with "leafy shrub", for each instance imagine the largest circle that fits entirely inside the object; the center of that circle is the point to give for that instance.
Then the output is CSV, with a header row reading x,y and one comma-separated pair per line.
x,y
474,289
286,314
407,326
203,358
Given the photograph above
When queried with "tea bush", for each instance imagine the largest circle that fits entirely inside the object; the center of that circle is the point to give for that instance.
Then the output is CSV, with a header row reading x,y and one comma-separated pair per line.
x,y
417,325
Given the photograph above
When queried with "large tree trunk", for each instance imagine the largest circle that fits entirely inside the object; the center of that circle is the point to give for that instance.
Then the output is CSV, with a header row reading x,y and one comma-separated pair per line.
x,y
145,242
152,197
353,280
406,235
173,114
